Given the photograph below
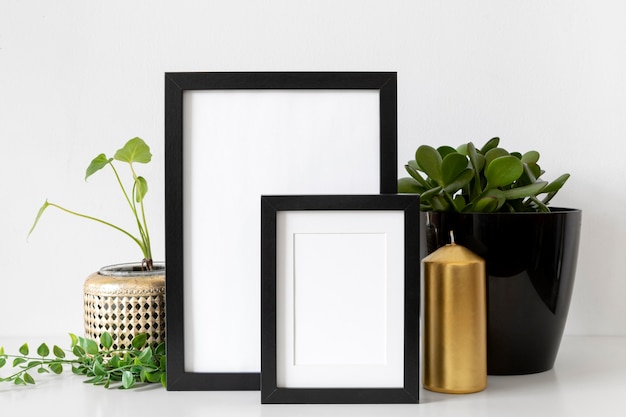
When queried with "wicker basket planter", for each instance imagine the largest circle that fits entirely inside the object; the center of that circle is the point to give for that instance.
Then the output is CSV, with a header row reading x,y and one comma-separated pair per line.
x,y
124,300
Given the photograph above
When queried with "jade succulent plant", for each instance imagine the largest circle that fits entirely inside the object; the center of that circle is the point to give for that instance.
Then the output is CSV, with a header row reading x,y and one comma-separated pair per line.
x,y
489,179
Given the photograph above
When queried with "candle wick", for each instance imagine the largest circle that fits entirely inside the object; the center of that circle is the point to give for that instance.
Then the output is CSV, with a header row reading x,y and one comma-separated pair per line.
x,y
452,237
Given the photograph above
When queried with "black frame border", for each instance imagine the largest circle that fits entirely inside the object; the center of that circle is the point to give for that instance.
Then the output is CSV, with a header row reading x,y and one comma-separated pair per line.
x,y
270,392
175,84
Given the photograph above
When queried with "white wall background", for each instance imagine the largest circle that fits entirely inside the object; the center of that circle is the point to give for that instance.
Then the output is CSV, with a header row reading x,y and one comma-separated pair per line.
x,y
78,78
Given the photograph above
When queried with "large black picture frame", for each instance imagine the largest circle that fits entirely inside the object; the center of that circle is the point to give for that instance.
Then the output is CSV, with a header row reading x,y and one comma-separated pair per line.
x,y
177,228
272,230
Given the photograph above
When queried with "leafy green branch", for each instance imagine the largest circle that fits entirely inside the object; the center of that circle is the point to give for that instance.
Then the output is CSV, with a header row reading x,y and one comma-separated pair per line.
x,y
134,151
141,364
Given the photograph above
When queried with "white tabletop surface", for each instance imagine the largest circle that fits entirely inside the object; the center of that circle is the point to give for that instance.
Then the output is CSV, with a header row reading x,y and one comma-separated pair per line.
x,y
589,379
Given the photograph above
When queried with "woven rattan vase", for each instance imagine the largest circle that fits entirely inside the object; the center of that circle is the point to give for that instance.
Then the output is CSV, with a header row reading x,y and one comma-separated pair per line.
x,y
123,300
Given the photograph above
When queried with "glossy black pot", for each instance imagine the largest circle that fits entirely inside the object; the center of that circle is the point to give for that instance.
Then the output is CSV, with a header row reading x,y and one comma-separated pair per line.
x,y
531,265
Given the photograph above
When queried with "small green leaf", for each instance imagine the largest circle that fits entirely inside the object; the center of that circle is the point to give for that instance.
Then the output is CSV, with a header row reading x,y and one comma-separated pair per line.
x,y
128,380
43,350
106,340
97,164
18,361
139,340
42,370
78,351
160,349
153,377
98,369
58,352
56,367
141,189
135,150
88,345
503,171
164,380
145,356
28,379
19,381
430,161
39,213
24,349
74,339
3,362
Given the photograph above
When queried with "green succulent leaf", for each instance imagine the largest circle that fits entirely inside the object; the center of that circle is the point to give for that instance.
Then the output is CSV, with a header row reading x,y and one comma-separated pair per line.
x,y
530,157
439,203
477,160
525,191
503,171
97,164
490,201
3,362
493,154
430,161
556,185
409,186
428,194
452,166
416,176
491,144
135,150
462,180
446,150
24,349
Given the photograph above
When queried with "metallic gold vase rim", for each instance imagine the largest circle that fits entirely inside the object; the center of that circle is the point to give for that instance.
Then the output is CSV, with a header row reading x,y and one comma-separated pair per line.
x,y
132,269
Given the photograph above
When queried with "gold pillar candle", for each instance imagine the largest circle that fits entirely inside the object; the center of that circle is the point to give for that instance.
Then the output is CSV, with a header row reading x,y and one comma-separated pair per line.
x,y
455,327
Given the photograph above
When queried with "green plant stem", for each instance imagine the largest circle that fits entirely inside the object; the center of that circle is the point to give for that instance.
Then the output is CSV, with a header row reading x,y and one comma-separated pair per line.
x,y
137,241
143,229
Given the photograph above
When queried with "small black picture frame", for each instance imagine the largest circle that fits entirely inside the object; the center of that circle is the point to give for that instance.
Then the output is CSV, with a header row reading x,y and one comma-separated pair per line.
x,y
324,262
219,158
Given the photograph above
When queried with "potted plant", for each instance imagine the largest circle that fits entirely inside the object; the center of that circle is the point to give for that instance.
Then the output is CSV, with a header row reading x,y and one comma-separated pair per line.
x,y
124,299
497,205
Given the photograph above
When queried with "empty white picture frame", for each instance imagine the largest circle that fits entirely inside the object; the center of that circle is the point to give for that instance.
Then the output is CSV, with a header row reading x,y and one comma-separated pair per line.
x,y
231,137
340,299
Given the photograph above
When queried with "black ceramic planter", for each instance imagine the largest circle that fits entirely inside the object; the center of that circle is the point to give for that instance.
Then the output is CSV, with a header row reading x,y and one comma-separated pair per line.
x,y
531,264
